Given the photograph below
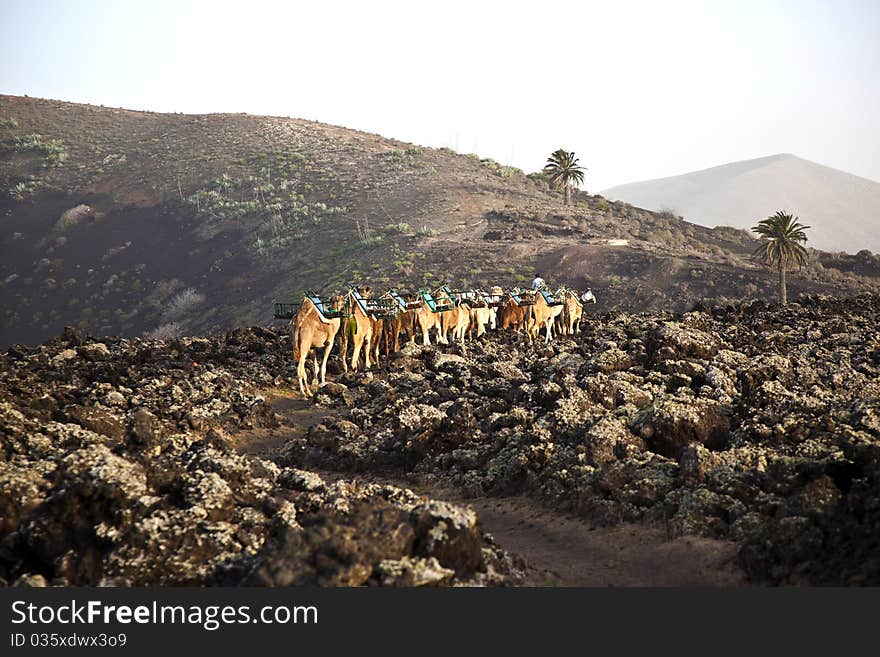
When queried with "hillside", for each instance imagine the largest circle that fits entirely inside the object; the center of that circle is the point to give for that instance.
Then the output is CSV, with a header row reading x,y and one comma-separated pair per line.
x,y
842,209
125,223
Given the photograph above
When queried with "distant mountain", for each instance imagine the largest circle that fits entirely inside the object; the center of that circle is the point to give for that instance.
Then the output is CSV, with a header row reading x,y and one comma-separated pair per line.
x,y
843,209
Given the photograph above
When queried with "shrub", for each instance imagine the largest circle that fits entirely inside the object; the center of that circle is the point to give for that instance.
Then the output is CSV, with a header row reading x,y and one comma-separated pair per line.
x,y
165,331
8,123
182,304
54,151
402,157
21,190
400,227
163,290
372,240
424,231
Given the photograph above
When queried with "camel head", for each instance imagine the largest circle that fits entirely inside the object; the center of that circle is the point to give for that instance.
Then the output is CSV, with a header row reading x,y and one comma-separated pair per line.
x,y
336,302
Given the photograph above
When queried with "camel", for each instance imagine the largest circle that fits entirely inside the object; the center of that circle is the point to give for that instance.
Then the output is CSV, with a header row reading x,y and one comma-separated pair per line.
x,y
379,337
405,322
359,327
541,315
484,311
458,316
309,330
456,320
428,318
512,314
480,317
574,310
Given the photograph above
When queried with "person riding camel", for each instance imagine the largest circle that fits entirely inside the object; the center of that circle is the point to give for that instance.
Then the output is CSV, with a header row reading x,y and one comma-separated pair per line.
x,y
539,283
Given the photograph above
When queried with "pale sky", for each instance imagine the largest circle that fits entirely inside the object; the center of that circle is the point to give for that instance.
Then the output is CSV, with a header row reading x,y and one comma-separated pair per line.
x,y
637,89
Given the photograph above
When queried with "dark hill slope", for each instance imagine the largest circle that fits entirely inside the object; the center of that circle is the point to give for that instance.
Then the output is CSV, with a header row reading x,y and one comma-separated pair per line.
x,y
120,222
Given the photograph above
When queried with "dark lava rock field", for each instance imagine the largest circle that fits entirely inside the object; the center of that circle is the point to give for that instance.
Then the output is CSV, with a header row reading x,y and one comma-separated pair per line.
x,y
752,423
116,468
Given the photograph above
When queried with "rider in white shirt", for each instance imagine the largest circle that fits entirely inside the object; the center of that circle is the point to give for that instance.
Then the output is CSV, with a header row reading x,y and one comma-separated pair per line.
x,y
538,283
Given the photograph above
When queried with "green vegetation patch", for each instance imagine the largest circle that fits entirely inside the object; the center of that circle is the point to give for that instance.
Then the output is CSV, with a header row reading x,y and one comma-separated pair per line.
x,y
269,197
501,170
53,151
24,188
402,158
401,227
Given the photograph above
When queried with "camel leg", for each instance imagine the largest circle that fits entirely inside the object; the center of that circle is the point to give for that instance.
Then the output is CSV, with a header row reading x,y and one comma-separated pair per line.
x,y
343,347
367,339
301,374
327,351
356,352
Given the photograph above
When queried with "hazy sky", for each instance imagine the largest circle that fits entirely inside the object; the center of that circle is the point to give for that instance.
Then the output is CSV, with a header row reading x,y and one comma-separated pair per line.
x,y
637,89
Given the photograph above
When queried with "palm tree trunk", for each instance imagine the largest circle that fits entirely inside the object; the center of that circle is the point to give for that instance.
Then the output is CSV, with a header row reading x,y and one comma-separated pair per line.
x,y
783,290
567,194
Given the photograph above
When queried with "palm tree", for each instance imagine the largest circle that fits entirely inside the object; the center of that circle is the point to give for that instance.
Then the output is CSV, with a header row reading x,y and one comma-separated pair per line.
x,y
781,245
564,171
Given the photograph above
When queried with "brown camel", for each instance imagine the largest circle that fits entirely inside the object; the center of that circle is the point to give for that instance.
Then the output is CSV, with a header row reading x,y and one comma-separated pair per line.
x,y
543,316
512,314
572,313
429,319
456,320
405,322
358,328
310,330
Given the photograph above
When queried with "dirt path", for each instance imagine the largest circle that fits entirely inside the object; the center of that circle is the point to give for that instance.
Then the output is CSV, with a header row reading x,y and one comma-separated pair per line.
x,y
560,549
570,551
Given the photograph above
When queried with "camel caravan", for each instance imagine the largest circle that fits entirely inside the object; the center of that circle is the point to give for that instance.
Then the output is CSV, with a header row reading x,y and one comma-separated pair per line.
x,y
376,325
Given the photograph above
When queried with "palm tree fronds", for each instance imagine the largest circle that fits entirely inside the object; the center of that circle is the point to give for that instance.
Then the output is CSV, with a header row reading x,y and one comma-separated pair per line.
x,y
782,238
564,171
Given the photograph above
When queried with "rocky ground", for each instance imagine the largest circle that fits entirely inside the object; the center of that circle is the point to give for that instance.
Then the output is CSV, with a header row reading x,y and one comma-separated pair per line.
x,y
116,468
751,423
